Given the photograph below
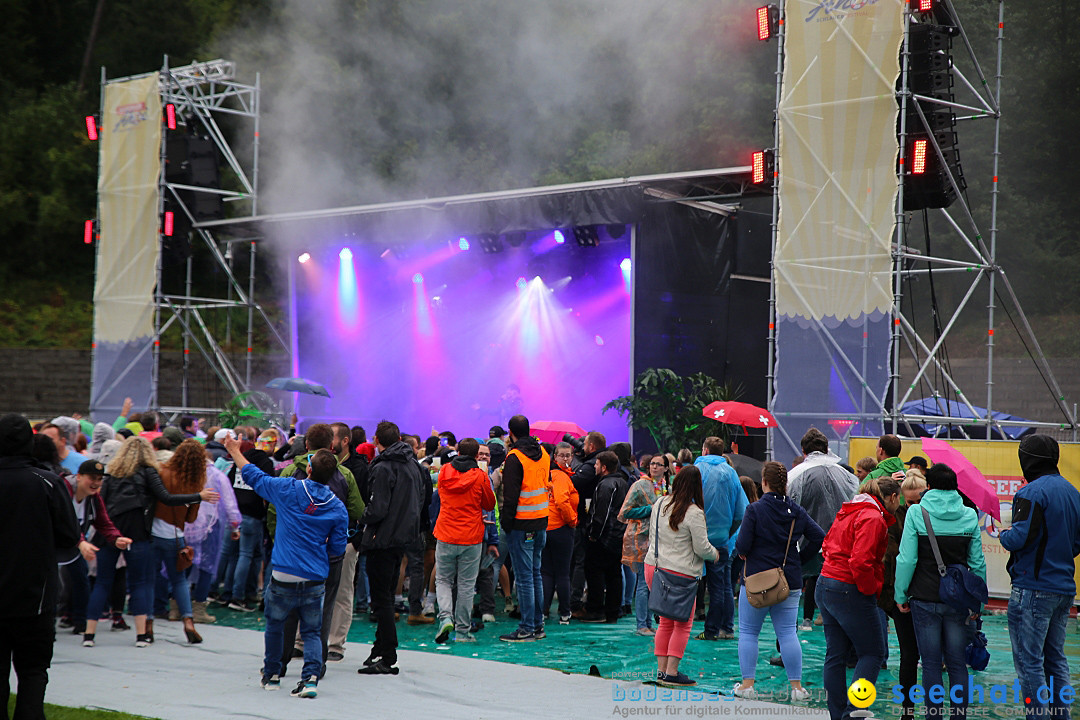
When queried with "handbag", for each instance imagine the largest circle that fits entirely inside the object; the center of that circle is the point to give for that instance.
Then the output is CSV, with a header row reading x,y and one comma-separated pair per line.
x,y
976,654
959,588
672,595
185,556
769,587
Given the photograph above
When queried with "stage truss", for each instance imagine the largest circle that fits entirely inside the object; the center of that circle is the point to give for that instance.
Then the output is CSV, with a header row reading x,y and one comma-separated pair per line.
x,y
982,104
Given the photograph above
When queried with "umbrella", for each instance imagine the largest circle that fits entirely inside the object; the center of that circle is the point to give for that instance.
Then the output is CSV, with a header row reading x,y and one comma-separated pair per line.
x,y
738,413
970,481
552,431
293,384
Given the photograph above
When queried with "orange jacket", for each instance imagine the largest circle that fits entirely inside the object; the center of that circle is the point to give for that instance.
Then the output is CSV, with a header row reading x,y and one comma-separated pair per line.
x,y
532,501
562,500
464,494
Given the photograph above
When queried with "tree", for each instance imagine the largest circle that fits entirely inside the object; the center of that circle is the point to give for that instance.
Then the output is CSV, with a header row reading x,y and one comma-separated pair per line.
x,y
669,407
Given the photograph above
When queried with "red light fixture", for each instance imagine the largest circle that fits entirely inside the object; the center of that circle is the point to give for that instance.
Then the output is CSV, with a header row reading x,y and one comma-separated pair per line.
x,y
918,157
924,6
768,21
168,223
88,232
91,127
170,116
758,173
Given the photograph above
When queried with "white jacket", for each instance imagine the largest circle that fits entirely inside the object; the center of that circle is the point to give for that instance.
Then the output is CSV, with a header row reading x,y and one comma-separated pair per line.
x,y
682,550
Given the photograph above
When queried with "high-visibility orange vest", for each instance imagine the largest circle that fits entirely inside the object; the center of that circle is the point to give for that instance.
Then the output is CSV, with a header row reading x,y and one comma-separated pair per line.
x,y
533,500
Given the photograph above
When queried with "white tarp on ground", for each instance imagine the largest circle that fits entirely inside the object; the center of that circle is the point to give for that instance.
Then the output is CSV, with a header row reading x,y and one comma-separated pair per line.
x,y
220,679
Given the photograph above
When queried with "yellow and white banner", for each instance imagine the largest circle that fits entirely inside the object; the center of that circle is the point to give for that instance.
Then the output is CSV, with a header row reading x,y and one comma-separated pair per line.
x,y
838,154
998,462
128,246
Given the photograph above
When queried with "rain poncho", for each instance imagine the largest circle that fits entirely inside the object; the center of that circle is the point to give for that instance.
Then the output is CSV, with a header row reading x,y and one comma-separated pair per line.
x,y
208,531
820,486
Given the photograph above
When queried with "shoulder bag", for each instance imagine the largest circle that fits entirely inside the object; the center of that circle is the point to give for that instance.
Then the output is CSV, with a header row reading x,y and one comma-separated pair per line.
x,y
672,595
769,587
959,588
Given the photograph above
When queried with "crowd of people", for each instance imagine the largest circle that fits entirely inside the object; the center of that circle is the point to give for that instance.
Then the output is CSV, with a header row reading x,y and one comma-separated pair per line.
x,y
313,529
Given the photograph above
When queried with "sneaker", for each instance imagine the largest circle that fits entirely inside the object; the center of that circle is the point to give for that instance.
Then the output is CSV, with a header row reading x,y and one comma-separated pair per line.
x,y
420,620
88,640
645,632
241,606
594,617
564,619
378,668
509,605
660,677
540,634
142,641
78,628
776,660
578,614
725,635
306,688
799,694
677,680
270,683
372,659
429,610
818,621
806,626
706,636
748,693
400,607
518,636
334,656
445,629
624,611
488,617
476,626
119,624
66,622
466,638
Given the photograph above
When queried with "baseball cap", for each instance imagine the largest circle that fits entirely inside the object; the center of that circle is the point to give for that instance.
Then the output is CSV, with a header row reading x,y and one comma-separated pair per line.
x,y
917,460
91,467
223,433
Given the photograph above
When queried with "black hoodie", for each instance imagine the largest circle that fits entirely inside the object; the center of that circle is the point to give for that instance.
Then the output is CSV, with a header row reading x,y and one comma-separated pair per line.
x,y
397,482
512,476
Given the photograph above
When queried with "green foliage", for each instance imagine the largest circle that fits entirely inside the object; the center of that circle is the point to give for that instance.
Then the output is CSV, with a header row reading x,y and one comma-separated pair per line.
x,y
57,712
250,408
45,317
669,407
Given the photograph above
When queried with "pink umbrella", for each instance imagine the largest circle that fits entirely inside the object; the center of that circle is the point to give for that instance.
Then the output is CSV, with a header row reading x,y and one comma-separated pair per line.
x,y
968,477
552,431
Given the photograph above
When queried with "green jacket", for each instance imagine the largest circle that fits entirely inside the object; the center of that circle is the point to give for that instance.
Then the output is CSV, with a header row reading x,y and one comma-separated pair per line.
x,y
887,467
354,503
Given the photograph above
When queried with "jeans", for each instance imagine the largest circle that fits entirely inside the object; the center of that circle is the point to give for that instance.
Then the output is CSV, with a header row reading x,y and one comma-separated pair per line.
x,y
456,565
76,576
165,550
140,569
721,615
362,590
641,598
330,588
383,567
851,622
603,573
783,617
909,655
26,643
555,568
629,585
282,599
941,634
526,549
1037,632
251,532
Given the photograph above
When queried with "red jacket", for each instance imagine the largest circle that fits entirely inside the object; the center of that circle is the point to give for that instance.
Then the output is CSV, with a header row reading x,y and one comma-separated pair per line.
x,y
94,514
854,547
464,494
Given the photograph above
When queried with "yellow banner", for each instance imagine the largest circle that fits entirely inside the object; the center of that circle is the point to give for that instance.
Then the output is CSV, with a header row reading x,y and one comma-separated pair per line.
x,y
128,211
838,154
997,460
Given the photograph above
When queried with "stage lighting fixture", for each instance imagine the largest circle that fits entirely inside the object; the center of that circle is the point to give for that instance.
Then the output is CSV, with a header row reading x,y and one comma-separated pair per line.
x,y
170,116
345,254
91,127
418,278
304,257
924,5
762,167
463,243
586,236
88,232
490,243
918,156
560,238
768,21
169,220
522,283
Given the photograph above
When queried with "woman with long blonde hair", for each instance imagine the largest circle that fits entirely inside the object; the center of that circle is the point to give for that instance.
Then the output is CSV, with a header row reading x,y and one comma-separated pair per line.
x,y
132,490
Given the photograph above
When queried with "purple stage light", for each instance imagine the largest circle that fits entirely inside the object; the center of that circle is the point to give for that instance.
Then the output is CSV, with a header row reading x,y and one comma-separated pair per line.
x,y
522,283
418,278
463,244
304,257
625,267
559,237
345,254
598,340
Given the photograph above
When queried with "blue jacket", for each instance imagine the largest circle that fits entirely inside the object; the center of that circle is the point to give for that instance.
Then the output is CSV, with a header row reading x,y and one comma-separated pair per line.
x,y
763,537
725,501
1041,558
312,522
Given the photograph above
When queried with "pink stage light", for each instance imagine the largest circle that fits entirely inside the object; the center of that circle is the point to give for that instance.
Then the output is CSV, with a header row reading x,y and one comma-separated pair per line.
x,y
170,116
88,232
168,223
91,127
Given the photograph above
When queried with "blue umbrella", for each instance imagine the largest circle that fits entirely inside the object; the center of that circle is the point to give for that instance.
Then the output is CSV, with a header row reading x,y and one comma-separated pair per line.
x,y
293,384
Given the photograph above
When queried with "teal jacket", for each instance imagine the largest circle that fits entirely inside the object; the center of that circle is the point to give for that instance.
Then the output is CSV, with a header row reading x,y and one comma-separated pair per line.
x,y
956,528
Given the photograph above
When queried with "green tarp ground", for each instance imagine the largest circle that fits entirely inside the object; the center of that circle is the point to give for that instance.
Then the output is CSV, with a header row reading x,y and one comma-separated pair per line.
x,y
577,647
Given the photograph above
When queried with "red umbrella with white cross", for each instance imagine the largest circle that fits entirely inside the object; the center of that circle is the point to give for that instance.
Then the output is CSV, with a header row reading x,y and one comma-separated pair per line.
x,y
739,413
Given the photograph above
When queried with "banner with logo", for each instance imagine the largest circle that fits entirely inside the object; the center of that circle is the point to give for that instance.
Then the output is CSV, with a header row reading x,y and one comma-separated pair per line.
x,y
128,248
838,188
997,460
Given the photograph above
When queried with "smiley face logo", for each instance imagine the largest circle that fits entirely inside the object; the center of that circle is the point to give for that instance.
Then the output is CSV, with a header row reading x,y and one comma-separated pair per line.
x,y
862,693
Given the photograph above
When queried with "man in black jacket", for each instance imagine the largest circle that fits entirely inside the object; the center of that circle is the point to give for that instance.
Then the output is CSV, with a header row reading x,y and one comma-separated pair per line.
x,y
391,521
36,521
604,533
584,480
